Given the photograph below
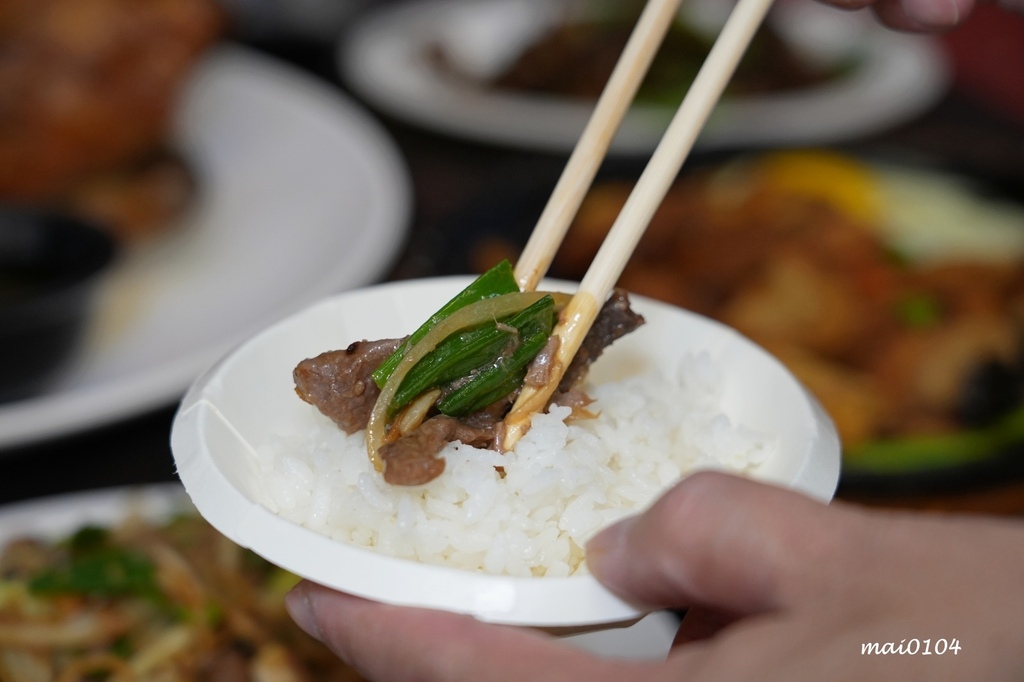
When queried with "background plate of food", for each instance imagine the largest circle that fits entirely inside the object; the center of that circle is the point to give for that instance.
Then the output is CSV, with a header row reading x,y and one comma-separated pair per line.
x,y
191,602
526,73
132,582
293,192
892,289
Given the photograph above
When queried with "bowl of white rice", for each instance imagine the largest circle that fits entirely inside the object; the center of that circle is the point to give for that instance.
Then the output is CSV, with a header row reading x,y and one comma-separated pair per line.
x,y
680,394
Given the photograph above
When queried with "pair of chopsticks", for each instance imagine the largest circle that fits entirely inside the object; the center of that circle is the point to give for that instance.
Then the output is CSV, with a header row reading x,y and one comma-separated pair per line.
x,y
647,195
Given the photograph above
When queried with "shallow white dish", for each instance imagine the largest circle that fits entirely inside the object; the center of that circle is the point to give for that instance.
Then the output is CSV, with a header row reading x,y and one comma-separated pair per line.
x,y
301,194
249,397
385,60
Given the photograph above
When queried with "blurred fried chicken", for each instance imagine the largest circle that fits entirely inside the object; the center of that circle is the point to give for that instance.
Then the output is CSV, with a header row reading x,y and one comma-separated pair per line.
x,y
88,86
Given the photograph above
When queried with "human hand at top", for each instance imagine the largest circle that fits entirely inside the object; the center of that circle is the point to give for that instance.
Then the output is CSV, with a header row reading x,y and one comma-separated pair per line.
x,y
780,587
925,16
914,15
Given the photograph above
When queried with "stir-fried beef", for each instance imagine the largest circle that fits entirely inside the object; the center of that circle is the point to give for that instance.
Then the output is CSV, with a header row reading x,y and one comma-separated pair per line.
x,y
413,458
491,419
339,384
539,373
615,320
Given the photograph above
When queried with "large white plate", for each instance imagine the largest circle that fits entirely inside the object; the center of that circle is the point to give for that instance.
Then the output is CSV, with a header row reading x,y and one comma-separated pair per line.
x,y
302,195
57,516
385,60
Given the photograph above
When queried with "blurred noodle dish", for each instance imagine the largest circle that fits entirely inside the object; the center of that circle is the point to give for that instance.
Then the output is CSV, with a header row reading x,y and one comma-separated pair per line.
x,y
896,295
574,58
140,600
87,92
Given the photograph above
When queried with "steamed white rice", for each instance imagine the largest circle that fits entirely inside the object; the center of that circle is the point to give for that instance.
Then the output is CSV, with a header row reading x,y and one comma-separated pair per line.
x,y
562,484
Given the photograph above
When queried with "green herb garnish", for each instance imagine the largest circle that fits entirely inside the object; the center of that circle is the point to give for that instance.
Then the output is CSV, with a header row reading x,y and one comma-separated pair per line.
x,y
96,567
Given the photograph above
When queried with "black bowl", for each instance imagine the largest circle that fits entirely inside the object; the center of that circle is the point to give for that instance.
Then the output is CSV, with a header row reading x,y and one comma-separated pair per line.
x,y
50,265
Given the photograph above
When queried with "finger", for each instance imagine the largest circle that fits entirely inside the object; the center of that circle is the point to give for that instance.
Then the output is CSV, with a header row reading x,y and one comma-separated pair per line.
x,y
923,15
721,541
849,4
699,624
385,642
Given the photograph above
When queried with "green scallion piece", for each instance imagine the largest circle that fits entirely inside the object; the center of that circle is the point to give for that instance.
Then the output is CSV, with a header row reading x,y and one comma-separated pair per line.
x,y
495,282
506,371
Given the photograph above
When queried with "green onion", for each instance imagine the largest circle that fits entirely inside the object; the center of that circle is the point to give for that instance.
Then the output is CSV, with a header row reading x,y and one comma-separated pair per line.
x,y
454,357
497,281
464,353
488,310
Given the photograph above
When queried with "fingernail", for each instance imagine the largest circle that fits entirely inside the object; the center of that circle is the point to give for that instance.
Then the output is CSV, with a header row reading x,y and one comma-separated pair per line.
x,y
301,610
934,13
604,548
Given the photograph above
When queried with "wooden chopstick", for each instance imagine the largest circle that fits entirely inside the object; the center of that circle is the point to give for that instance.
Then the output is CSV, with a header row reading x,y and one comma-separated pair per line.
x,y
643,201
594,142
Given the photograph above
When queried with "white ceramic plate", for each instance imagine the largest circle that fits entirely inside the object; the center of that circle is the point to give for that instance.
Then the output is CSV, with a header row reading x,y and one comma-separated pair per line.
x,y
302,194
249,399
384,59
55,517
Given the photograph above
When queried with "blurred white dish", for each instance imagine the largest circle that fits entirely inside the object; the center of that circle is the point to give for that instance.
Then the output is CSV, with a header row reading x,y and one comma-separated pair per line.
x,y
386,59
301,194
58,515
249,398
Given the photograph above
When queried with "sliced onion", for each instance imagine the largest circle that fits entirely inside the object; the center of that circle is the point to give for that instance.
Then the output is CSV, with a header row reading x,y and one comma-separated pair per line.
x,y
412,415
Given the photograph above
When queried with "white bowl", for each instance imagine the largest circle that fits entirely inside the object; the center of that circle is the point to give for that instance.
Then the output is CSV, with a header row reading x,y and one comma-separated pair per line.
x,y
249,396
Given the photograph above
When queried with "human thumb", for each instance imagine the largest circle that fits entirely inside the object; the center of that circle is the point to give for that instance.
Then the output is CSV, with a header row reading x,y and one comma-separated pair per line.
x,y
716,540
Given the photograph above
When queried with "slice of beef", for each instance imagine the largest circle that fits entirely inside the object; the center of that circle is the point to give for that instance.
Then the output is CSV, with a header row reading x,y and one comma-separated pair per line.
x,y
339,382
615,320
413,458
